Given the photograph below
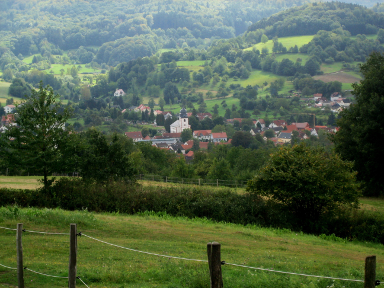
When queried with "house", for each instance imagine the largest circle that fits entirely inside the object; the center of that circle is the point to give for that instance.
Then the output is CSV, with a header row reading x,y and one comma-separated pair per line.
x,y
335,96
317,96
285,137
302,126
119,92
255,131
203,145
189,156
179,125
277,123
136,136
7,119
201,116
188,145
9,109
171,135
261,122
347,102
203,134
218,137
142,108
291,128
147,138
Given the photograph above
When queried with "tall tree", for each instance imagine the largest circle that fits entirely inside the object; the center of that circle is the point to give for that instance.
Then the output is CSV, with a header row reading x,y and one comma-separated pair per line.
x,y
39,137
360,136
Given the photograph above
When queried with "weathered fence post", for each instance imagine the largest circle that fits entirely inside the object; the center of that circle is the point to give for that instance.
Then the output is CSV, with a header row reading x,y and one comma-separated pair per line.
x,y
214,263
199,181
153,178
166,179
72,256
370,272
19,246
217,182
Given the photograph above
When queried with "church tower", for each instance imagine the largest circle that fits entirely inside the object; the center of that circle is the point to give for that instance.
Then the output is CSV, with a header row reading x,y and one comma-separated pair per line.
x,y
181,124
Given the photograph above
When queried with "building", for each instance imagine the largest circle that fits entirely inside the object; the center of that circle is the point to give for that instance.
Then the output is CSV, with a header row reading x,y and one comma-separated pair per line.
x,y
179,125
9,109
119,92
136,136
203,134
218,137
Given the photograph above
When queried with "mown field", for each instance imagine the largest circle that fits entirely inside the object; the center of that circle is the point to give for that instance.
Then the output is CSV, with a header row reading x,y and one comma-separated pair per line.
x,y
287,42
101,265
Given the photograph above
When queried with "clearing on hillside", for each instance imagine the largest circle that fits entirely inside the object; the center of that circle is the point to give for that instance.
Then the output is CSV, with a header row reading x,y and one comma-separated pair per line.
x,y
337,76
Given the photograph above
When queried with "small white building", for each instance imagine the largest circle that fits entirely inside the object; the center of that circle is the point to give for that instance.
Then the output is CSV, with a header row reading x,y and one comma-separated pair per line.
x,y
119,92
9,109
179,125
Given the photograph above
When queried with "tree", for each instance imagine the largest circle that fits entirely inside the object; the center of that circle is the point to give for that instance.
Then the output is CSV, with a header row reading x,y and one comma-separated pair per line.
x,y
242,139
186,135
39,136
105,159
264,38
220,170
358,139
161,104
309,182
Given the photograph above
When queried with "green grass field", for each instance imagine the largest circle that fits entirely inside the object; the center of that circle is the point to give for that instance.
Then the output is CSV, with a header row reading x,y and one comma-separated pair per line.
x,y
57,67
293,57
190,63
287,42
101,265
4,86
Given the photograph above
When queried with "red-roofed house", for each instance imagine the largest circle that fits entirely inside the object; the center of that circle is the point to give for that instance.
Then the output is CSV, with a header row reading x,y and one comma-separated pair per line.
x,y
189,156
142,108
291,128
147,138
7,119
302,126
277,123
317,96
136,136
187,145
218,137
203,134
203,145
171,135
201,116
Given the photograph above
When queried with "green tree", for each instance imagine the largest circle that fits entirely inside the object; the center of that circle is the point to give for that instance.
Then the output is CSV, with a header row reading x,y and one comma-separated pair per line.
x,y
186,135
151,103
105,159
309,182
220,169
182,169
161,104
264,38
39,136
358,138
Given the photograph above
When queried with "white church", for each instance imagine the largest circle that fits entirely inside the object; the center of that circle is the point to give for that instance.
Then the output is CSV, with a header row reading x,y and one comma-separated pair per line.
x,y
179,125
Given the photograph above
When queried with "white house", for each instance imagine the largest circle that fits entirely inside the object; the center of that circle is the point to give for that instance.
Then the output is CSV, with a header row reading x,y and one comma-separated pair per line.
x,y
9,108
203,134
179,125
119,92
218,137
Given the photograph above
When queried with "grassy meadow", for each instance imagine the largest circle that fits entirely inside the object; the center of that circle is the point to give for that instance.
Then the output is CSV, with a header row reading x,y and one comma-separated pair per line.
x,y
101,265
287,42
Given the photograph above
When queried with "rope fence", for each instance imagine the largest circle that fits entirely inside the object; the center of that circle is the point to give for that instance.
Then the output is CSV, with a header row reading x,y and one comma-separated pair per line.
x,y
214,261
192,181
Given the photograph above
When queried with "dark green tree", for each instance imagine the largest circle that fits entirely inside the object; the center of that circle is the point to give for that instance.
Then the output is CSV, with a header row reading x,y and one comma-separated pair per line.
x,y
309,182
39,137
186,135
358,138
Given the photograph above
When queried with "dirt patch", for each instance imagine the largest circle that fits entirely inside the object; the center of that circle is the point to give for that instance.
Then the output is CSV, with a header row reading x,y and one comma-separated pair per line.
x,y
337,76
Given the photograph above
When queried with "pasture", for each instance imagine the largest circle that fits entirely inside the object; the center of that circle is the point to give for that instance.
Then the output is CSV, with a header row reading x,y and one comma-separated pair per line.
x,y
101,265
4,86
287,42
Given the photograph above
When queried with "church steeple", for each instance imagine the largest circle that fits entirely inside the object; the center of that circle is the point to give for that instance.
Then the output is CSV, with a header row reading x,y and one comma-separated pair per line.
x,y
183,113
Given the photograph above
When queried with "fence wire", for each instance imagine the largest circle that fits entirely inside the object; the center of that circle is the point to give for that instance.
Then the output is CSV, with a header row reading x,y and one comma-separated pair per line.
x,y
292,273
8,267
149,253
44,274
82,281
8,228
48,233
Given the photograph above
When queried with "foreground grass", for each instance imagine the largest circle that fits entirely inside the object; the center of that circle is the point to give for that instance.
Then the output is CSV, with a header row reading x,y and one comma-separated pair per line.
x,y
100,265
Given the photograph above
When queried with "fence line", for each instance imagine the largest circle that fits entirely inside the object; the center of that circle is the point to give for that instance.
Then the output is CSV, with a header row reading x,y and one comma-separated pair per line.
x,y
192,181
149,253
197,260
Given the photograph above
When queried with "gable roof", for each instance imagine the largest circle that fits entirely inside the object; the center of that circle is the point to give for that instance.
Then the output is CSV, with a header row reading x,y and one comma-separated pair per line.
x,y
219,135
171,135
203,145
134,135
301,125
279,122
285,135
290,128
202,132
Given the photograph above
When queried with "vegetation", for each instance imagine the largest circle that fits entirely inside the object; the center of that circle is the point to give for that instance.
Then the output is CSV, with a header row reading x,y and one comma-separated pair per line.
x,y
100,265
358,140
311,183
39,139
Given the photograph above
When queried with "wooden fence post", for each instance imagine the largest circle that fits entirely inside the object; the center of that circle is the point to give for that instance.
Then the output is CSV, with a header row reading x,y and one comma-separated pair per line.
x,y
166,179
199,181
72,256
20,266
370,272
217,182
214,263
